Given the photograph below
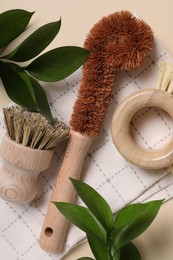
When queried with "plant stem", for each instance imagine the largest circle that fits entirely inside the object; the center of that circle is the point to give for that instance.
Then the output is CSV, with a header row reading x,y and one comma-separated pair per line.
x,y
117,256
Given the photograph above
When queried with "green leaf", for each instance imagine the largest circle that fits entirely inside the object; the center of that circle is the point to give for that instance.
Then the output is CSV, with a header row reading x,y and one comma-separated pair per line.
x,y
58,63
12,24
35,43
132,221
95,202
98,248
18,86
41,100
129,252
83,219
38,94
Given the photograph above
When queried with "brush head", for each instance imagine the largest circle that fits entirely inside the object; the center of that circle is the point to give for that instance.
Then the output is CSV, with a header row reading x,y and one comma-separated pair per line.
x,y
119,41
33,129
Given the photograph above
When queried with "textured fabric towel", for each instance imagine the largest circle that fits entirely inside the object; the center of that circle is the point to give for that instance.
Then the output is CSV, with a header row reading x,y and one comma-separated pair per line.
x,y
119,181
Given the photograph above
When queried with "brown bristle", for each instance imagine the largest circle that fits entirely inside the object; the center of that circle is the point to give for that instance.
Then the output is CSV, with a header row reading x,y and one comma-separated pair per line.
x,y
118,41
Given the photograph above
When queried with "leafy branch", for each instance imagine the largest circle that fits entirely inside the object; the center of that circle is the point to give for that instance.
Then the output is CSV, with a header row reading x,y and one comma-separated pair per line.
x,y
110,237
21,82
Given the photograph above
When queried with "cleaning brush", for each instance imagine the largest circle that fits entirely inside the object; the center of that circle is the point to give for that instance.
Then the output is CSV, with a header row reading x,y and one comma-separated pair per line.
x,y
117,42
26,150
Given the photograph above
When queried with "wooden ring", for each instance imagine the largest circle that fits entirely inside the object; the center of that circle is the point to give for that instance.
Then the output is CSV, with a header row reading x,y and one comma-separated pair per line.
x,y
121,134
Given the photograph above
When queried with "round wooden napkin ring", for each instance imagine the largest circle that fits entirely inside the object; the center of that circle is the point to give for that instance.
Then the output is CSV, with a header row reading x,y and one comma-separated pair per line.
x,y
121,134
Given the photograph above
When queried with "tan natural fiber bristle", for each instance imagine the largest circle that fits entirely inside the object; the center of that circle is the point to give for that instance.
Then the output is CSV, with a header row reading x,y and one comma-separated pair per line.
x,y
165,80
33,129
118,41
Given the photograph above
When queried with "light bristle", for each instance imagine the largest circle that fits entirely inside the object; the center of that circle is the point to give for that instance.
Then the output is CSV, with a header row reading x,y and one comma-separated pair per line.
x,y
32,129
165,80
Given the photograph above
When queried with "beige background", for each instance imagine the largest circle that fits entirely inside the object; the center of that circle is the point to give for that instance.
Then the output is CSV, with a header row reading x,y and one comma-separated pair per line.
x,y
78,16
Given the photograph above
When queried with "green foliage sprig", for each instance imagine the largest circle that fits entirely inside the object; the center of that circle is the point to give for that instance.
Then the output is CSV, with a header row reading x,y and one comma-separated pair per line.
x,y
21,82
110,237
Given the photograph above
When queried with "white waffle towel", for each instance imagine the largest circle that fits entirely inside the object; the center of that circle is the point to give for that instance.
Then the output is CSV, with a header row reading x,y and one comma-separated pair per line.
x,y
119,181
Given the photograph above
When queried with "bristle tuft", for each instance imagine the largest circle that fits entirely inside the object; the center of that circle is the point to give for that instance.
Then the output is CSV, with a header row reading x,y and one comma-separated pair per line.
x,y
32,129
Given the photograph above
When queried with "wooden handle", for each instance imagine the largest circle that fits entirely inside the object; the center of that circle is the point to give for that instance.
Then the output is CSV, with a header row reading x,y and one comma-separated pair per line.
x,y
55,224
149,159
20,169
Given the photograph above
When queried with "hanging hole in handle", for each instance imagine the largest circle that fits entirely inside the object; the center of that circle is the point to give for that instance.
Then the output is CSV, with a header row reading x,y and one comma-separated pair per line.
x,y
48,232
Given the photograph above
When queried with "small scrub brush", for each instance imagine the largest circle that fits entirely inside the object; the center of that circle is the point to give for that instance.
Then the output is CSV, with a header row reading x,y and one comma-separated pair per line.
x,y
26,150
117,42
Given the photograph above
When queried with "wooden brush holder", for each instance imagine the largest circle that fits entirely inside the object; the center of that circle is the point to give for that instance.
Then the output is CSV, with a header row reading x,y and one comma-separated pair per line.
x,y
20,170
